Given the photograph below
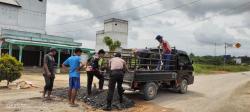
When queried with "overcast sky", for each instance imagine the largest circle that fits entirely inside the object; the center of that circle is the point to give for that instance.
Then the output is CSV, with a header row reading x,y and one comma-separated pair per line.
x,y
190,25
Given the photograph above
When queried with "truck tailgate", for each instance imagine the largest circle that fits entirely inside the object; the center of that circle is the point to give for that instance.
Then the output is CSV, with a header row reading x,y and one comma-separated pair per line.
x,y
145,76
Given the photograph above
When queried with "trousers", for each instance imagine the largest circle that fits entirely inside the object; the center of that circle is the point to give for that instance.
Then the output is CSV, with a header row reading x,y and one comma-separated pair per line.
x,y
90,75
116,77
49,82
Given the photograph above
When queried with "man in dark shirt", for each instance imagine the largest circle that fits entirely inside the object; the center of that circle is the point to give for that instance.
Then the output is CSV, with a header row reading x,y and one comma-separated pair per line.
x,y
93,69
49,72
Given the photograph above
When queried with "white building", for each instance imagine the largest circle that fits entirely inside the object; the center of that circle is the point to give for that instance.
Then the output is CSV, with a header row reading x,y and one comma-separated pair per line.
x,y
117,29
23,15
23,35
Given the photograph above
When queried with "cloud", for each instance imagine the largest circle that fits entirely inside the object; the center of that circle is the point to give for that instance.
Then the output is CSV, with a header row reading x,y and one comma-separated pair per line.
x,y
81,19
199,37
203,7
209,34
246,20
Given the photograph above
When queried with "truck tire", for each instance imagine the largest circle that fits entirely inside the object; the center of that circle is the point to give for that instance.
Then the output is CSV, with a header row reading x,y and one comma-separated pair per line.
x,y
150,91
183,86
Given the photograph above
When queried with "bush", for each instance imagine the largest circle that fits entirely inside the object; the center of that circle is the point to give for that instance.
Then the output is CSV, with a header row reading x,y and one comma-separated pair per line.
x,y
208,69
10,69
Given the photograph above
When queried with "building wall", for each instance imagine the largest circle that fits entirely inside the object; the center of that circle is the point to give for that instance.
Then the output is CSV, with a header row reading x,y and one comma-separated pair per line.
x,y
99,42
116,30
30,17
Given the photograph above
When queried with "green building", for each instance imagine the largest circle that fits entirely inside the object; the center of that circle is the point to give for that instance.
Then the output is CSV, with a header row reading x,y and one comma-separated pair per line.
x,y
30,48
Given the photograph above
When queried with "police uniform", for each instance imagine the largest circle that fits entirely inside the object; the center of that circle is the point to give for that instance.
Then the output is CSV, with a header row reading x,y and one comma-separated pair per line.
x,y
116,76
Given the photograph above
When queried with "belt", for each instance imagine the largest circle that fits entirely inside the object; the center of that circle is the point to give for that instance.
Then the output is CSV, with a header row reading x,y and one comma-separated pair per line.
x,y
117,70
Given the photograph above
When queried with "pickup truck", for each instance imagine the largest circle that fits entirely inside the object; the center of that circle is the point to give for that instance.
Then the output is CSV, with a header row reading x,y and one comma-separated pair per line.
x,y
147,78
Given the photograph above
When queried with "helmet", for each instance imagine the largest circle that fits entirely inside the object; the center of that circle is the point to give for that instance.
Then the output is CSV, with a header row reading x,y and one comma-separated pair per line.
x,y
158,37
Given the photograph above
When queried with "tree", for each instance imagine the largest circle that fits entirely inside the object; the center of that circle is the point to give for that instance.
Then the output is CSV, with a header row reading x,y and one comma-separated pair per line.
x,y
191,55
113,45
10,69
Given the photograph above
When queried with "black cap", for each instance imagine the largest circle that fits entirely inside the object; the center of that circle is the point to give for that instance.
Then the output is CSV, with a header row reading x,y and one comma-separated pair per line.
x,y
158,37
101,51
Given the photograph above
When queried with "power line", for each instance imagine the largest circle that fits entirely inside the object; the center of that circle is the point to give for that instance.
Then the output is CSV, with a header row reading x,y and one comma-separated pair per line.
x,y
112,13
243,5
218,14
164,11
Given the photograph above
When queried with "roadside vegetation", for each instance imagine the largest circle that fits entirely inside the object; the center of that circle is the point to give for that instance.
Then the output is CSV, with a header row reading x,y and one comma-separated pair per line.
x,y
10,69
209,69
215,64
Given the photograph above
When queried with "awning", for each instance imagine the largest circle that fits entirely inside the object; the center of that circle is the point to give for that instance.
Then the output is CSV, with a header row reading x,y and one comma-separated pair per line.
x,y
10,2
43,44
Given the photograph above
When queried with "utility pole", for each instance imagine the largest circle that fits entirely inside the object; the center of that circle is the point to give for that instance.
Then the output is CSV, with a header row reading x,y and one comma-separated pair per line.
x,y
215,53
1,43
215,49
225,55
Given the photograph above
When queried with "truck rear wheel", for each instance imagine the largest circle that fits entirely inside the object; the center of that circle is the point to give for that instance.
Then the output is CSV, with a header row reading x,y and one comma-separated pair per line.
x,y
183,86
150,91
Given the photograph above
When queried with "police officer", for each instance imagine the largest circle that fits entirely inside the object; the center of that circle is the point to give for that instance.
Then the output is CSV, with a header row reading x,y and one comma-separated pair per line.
x,y
117,66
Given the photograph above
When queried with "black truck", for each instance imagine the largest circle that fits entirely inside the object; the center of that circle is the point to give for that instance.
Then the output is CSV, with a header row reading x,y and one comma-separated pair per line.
x,y
147,78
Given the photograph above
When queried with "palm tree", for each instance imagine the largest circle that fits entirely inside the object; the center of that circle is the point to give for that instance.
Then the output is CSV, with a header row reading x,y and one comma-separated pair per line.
x,y
113,45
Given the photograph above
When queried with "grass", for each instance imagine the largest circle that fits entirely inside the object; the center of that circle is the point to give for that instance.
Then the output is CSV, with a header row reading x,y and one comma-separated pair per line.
x,y
208,69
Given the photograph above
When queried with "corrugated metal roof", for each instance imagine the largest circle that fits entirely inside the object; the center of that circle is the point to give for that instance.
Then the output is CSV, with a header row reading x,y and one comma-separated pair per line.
x,y
36,39
10,2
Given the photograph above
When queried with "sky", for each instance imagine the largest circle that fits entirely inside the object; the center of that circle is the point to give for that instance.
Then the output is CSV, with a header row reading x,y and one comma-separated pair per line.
x,y
196,26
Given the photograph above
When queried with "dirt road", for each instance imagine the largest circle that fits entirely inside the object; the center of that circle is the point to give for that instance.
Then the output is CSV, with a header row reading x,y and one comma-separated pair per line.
x,y
209,93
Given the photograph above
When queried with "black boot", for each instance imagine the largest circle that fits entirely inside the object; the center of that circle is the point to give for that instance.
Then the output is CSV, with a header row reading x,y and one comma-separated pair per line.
x,y
108,107
121,99
121,96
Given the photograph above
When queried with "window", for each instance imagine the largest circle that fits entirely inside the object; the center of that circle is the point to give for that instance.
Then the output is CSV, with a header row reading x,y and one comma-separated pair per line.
x,y
184,59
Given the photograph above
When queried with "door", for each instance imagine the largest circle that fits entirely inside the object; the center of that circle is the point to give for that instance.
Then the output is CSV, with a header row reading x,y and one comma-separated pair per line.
x,y
185,68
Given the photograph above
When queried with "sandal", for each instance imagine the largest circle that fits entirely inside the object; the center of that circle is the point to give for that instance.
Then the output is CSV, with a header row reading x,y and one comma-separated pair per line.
x,y
74,105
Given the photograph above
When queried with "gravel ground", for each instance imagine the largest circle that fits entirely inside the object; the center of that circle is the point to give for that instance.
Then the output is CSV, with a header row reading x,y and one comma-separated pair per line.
x,y
97,99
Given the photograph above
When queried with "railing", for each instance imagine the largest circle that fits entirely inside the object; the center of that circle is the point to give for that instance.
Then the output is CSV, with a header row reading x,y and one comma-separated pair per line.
x,y
151,63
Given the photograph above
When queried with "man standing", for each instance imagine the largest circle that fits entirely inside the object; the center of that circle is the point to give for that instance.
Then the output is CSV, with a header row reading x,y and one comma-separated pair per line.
x,y
166,50
49,72
74,63
94,65
117,65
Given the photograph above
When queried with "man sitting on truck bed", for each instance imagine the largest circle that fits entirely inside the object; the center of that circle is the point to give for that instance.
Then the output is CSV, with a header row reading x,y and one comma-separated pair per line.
x,y
166,51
